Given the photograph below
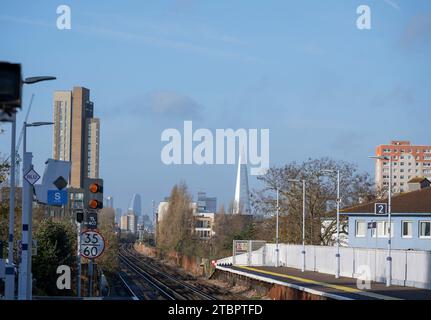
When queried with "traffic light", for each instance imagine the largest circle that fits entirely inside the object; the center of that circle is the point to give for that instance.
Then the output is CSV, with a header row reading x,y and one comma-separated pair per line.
x,y
93,194
10,87
79,216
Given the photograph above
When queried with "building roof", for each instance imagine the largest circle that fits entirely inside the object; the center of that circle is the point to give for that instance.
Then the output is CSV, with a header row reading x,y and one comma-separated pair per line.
x,y
417,180
418,201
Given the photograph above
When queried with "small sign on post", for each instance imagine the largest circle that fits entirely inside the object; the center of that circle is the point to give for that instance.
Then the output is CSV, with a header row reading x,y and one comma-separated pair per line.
x,y
92,244
90,220
31,176
57,197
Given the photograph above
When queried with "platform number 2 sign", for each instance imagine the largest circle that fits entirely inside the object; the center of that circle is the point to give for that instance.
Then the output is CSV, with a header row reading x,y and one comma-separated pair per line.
x,y
380,208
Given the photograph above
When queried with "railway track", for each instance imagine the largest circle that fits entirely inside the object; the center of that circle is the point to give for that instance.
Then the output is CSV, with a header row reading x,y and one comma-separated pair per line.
x,y
151,281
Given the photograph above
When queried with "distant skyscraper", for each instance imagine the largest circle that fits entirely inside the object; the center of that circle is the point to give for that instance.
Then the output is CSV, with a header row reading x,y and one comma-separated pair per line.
x,y
109,202
76,134
242,195
118,213
135,204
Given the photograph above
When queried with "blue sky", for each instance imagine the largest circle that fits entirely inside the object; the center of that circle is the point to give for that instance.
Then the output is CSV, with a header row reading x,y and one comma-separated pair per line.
x,y
300,68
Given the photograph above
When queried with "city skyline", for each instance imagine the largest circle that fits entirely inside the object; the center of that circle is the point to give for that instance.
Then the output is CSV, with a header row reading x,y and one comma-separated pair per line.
x,y
284,82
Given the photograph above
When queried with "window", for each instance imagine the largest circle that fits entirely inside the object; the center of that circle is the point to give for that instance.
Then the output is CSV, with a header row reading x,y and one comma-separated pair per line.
x,y
383,229
386,150
361,228
407,229
424,229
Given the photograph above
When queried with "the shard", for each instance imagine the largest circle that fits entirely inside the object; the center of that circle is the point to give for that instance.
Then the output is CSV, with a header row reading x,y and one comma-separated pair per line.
x,y
242,195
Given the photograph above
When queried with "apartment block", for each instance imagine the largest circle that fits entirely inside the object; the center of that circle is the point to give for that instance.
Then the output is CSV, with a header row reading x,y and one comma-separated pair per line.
x,y
408,162
76,134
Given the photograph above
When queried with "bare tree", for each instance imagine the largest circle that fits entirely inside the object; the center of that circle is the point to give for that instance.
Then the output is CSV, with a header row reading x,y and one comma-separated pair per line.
x,y
320,200
176,227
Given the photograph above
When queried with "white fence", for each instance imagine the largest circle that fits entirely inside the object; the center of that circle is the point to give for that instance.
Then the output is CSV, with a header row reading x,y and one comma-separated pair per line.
x,y
409,268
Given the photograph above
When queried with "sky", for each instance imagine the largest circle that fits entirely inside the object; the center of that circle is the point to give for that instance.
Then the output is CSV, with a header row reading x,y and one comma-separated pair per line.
x,y
301,69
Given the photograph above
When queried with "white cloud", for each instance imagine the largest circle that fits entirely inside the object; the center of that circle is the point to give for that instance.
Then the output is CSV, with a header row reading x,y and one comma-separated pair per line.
x,y
393,4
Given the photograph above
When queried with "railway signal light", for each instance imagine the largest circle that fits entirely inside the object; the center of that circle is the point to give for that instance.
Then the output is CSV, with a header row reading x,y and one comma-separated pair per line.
x,y
93,194
10,89
79,216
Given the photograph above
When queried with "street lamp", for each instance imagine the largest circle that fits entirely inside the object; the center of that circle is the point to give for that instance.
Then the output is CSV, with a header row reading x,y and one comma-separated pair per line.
x,y
25,278
337,254
277,249
303,220
10,270
388,258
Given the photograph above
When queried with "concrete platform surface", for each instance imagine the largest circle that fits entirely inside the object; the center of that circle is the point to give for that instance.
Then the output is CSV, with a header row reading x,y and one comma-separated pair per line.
x,y
343,288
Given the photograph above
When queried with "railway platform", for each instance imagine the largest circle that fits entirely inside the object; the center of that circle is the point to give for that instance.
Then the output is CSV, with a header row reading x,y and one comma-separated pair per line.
x,y
326,285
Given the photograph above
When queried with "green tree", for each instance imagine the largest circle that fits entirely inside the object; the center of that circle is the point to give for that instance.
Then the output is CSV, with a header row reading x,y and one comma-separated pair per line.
x,y
56,246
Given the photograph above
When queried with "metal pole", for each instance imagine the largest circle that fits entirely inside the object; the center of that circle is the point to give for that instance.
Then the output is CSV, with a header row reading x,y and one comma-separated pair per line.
x,y
10,270
389,258
277,250
337,255
78,258
90,278
303,225
24,275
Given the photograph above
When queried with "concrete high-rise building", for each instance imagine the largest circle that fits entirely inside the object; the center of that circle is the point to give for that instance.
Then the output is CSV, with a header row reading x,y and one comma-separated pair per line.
x,y
408,161
124,223
76,134
206,204
129,223
241,203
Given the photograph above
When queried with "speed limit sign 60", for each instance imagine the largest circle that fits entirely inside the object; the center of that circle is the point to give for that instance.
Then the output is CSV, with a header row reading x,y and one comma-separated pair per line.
x,y
92,244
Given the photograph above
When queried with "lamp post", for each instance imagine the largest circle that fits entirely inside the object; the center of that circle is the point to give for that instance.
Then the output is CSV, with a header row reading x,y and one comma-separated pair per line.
x,y
277,249
389,257
303,221
337,254
10,269
25,277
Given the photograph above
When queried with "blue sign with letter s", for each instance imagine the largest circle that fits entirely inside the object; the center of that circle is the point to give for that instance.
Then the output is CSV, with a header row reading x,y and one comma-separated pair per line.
x,y
57,197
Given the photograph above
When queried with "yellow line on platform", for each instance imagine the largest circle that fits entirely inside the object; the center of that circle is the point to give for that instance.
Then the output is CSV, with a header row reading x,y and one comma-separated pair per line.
x,y
324,284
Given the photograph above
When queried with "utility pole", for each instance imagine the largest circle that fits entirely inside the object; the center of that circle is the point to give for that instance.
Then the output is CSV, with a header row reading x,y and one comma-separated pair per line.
x,y
337,244
389,257
277,249
337,256
78,258
10,269
303,225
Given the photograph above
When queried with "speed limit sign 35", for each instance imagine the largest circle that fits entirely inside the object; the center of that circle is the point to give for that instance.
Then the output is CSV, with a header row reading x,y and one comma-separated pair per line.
x,y
92,244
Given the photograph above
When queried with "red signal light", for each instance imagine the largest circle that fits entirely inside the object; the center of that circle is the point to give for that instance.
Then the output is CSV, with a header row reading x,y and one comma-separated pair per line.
x,y
94,188
94,204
